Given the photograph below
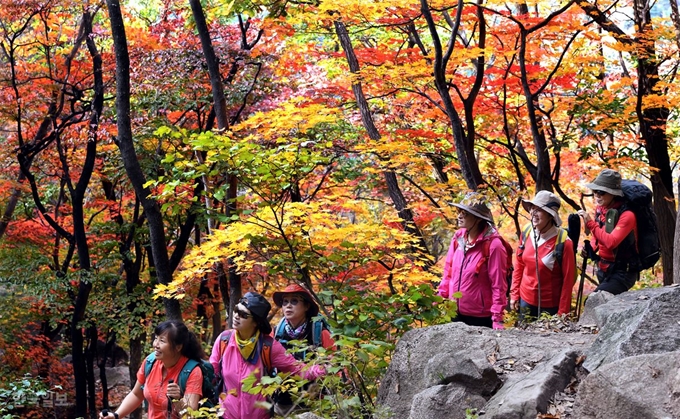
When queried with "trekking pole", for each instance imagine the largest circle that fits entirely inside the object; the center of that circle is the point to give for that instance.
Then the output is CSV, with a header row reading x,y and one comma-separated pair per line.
x,y
538,275
574,233
579,295
169,415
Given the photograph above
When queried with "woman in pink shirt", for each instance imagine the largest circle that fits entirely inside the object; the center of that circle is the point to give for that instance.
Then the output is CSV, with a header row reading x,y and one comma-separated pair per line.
x,y
237,354
475,267
173,346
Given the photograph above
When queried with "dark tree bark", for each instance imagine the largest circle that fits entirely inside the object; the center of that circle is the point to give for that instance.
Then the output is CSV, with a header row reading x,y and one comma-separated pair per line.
x,y
219,101
390,177
77,240
464,143
220,112
128,154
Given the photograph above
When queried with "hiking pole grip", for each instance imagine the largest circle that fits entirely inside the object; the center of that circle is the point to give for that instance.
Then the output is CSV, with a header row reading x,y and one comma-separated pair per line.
x,y
170,401
106,412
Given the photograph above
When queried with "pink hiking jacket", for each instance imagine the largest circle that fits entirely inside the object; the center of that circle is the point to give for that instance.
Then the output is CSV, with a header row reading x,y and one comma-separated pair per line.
x,y
483,293
242,405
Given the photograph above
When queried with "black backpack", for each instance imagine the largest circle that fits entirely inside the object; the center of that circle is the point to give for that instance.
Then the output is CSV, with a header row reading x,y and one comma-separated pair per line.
x,y
638,198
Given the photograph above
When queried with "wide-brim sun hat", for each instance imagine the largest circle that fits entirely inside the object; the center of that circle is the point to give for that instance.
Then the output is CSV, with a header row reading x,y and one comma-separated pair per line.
x,y
475,205
548,202
607,181
259,307
297,289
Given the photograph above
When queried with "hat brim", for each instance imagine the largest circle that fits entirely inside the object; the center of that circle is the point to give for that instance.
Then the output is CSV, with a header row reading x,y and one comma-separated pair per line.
x,y
473,212
526,204
313,309
596,187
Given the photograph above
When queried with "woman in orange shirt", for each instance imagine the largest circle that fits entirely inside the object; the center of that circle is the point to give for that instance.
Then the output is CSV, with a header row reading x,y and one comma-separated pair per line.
x,y
173,346
541,282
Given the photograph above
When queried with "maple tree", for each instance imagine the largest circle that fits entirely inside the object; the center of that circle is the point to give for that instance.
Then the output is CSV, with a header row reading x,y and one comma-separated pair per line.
x,y
256,144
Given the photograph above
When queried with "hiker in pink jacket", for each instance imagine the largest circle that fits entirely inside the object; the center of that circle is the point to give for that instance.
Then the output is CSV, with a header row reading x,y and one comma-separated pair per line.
x,y
242,351
476,267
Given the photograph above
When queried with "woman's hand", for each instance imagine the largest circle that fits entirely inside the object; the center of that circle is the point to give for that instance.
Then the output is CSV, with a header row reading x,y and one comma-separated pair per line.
x,y
583,214
514,304
173,391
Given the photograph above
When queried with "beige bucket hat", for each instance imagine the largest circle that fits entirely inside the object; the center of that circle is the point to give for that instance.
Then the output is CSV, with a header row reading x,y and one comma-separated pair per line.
x,y
548,202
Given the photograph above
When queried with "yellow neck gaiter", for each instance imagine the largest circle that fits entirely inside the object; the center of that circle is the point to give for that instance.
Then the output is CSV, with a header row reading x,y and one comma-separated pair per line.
x,y
247,346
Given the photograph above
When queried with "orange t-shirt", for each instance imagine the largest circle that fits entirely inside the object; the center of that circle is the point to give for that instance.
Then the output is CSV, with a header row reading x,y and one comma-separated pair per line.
x,y
156,389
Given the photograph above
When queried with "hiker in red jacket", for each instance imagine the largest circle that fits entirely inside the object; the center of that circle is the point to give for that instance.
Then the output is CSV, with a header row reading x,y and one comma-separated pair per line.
x,y
614,239
479,275
540,278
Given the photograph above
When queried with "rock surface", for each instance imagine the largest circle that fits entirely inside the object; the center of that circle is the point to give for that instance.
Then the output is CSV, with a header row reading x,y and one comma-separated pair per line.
x,y
630,369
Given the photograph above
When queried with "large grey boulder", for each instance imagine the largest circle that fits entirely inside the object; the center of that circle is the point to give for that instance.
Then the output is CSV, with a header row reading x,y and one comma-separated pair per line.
x,y
439,372
635,323
528,395
443,358
116,376
643,386
448,401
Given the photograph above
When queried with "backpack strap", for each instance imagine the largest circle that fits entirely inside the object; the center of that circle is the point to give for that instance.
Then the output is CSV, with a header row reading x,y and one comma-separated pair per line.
x,y
486,249
317,330
523,239
266,353
224,341
184,375
559,245
280,329
148,365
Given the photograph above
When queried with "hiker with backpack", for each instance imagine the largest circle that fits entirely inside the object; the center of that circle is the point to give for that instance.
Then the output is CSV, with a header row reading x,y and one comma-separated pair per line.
x,y
300,322
249,349
475,267
615,234
174,347
545,266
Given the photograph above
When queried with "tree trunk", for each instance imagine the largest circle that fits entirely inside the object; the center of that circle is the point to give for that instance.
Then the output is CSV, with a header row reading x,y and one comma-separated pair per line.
x,y
220,108
653,131
466,158
652,123
130,161
393,188
676,246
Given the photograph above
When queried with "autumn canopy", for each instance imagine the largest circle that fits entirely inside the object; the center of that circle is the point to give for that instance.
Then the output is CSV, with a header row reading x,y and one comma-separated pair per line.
x,y
160,158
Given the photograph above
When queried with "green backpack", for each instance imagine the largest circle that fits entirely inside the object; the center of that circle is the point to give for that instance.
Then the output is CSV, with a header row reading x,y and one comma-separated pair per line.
x,y
209,390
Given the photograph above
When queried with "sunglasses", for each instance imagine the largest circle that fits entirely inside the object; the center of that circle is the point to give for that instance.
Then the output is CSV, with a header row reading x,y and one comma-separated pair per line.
x,y
291,301
463,213
599,193
242,314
